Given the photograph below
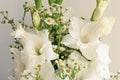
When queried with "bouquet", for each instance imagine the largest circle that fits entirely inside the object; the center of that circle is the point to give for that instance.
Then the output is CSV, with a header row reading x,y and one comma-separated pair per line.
x,y
57,47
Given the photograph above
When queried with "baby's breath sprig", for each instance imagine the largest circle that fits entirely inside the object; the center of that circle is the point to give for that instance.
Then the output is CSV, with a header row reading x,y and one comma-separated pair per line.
x,y
7,20
26,10
115,76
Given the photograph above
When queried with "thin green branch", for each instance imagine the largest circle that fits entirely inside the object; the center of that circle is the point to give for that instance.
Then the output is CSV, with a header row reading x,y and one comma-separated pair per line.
x,y
78,50
6,19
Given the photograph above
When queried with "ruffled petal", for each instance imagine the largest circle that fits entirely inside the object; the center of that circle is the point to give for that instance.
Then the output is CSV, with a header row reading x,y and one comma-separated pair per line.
x,y
19,66
75,27
98,68
69,41
47,71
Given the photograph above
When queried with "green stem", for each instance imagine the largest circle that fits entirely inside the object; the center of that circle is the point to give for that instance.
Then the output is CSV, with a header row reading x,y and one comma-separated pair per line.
x,y
55,1
77,51
59,2
38,3
9,21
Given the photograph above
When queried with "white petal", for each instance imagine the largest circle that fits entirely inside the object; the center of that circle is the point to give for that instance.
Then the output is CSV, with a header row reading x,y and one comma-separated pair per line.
x,y
47,71
19,32
98,68
19,66
47,51
68,40
75,27
103,54
89,50
108,23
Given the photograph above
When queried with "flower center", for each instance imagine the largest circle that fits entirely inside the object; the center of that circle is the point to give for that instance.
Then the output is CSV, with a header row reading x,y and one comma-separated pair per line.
x,y
38,51
48,20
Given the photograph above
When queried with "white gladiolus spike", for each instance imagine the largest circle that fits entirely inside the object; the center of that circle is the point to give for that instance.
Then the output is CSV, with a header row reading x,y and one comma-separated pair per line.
x,y
85,35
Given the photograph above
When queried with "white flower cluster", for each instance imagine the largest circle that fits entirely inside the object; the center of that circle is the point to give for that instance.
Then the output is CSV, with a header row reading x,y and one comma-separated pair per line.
x,y
62,50
83,35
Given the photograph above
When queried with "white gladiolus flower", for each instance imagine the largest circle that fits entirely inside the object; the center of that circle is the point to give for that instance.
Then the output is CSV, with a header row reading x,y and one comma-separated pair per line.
x,y
50,21
36,43
37,49
99,67
83,32
36,19
84,35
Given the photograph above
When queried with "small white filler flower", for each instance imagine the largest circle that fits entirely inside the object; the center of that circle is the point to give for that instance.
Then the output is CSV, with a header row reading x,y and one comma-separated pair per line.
x,y
50,21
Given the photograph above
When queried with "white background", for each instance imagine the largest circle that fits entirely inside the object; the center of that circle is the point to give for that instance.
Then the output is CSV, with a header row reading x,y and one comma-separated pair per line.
x,y
80,8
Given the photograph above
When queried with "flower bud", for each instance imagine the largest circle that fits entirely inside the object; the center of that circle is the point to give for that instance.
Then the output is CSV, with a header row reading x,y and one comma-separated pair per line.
x,y
36,19
99,10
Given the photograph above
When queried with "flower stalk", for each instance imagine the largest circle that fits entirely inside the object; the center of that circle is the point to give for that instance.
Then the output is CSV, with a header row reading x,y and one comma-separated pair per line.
x,y
55,1
38,3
